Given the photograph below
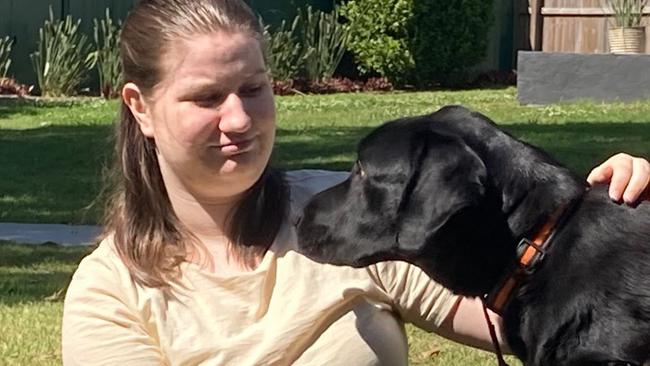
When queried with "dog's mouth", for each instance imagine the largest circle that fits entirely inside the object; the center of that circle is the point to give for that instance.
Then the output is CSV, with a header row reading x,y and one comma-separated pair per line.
x,y
317,243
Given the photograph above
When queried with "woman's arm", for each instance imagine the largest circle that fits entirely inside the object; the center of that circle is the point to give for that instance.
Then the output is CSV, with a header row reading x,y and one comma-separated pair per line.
x,y
466,324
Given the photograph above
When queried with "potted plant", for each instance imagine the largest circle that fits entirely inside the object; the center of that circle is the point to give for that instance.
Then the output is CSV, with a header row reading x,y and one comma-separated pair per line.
x,y
627,35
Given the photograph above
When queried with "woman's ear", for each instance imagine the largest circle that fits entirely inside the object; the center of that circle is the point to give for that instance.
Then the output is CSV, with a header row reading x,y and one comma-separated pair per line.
x,y
139,107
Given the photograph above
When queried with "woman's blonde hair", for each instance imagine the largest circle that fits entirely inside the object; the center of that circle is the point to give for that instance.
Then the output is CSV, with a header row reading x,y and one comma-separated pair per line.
x,y
139,217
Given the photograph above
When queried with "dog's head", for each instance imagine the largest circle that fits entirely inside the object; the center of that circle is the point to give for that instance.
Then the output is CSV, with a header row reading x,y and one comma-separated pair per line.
x,y
422,192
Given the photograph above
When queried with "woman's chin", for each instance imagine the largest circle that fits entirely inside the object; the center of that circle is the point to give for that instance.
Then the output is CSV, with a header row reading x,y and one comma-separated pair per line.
x,y
236,169
246,164
241,172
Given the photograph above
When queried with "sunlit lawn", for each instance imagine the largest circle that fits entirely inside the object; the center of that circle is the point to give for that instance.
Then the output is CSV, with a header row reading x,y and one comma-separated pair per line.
x,y
52,155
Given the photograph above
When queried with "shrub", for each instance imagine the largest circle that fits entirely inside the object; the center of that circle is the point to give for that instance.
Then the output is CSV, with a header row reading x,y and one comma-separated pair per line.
x,y
5,51
285,56
311,47
378,36
62,58
424,42
107,56
448,38
325,41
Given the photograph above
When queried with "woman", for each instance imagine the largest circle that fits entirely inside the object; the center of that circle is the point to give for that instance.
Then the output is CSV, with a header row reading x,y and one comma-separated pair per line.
x,y
197,265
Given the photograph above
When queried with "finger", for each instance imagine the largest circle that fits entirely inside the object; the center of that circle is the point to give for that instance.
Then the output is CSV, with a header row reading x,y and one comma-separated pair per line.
x,y
620,178
638,181
600,174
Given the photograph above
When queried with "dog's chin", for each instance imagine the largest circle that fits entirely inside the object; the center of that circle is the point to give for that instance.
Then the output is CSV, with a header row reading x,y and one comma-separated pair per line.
x,y
315,252
315,248
328,253
332,250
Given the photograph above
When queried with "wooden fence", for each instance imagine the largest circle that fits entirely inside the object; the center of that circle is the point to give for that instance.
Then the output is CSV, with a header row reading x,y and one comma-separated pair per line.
x,y
578,26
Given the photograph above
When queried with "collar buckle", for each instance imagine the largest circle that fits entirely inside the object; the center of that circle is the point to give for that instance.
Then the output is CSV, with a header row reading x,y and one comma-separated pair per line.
x,y
530,255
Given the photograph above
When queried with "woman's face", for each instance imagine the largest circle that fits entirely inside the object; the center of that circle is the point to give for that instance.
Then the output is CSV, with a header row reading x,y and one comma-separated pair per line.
x,y
213,116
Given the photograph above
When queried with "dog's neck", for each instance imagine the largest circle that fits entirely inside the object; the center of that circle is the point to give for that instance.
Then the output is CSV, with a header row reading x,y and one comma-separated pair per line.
x,y
523,187
528,206
531,187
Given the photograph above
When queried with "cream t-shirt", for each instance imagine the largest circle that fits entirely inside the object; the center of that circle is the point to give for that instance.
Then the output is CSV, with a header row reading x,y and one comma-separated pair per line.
x,y
289,310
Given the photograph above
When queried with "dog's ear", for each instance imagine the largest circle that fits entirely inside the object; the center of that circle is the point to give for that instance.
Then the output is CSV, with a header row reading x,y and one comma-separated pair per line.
x,y
448,224
446,178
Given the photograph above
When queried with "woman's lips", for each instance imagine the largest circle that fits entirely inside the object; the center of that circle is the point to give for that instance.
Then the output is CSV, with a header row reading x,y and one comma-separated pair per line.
x,y
236,147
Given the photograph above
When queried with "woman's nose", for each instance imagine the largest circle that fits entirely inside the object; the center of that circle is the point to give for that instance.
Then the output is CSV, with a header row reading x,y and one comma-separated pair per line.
x,y
234,117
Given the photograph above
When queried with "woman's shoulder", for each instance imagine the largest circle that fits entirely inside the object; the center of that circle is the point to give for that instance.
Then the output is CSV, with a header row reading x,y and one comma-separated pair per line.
x,y
101,267
305,183
103,253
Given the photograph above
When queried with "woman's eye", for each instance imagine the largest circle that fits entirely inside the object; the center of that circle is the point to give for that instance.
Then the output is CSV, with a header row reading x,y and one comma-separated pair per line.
x,y
207,100
252,90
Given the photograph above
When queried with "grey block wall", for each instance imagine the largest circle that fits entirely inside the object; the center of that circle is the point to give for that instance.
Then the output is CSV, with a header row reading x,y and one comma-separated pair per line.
x,y
544,77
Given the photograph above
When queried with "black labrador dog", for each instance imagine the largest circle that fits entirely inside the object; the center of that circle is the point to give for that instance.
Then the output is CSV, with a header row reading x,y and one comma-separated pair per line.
x,y
453,194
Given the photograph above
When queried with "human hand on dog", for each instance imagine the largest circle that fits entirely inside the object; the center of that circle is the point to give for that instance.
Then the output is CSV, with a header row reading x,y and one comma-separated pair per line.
x,y
628,178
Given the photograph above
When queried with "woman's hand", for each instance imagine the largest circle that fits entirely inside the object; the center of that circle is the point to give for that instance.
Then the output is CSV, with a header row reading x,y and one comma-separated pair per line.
x,y
628,178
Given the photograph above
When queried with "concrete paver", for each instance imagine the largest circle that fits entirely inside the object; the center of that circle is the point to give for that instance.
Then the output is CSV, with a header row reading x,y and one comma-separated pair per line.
x,y
42,233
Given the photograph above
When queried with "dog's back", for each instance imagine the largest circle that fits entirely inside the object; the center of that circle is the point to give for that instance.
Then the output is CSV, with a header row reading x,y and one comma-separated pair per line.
x,y
590,302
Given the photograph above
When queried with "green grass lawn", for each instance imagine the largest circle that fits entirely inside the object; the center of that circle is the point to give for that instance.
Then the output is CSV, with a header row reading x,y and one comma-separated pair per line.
x,y
52,155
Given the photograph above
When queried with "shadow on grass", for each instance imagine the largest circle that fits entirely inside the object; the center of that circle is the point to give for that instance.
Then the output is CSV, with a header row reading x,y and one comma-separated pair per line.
x,y
32,287
323,148
580,146
36,272
26,255
52,174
